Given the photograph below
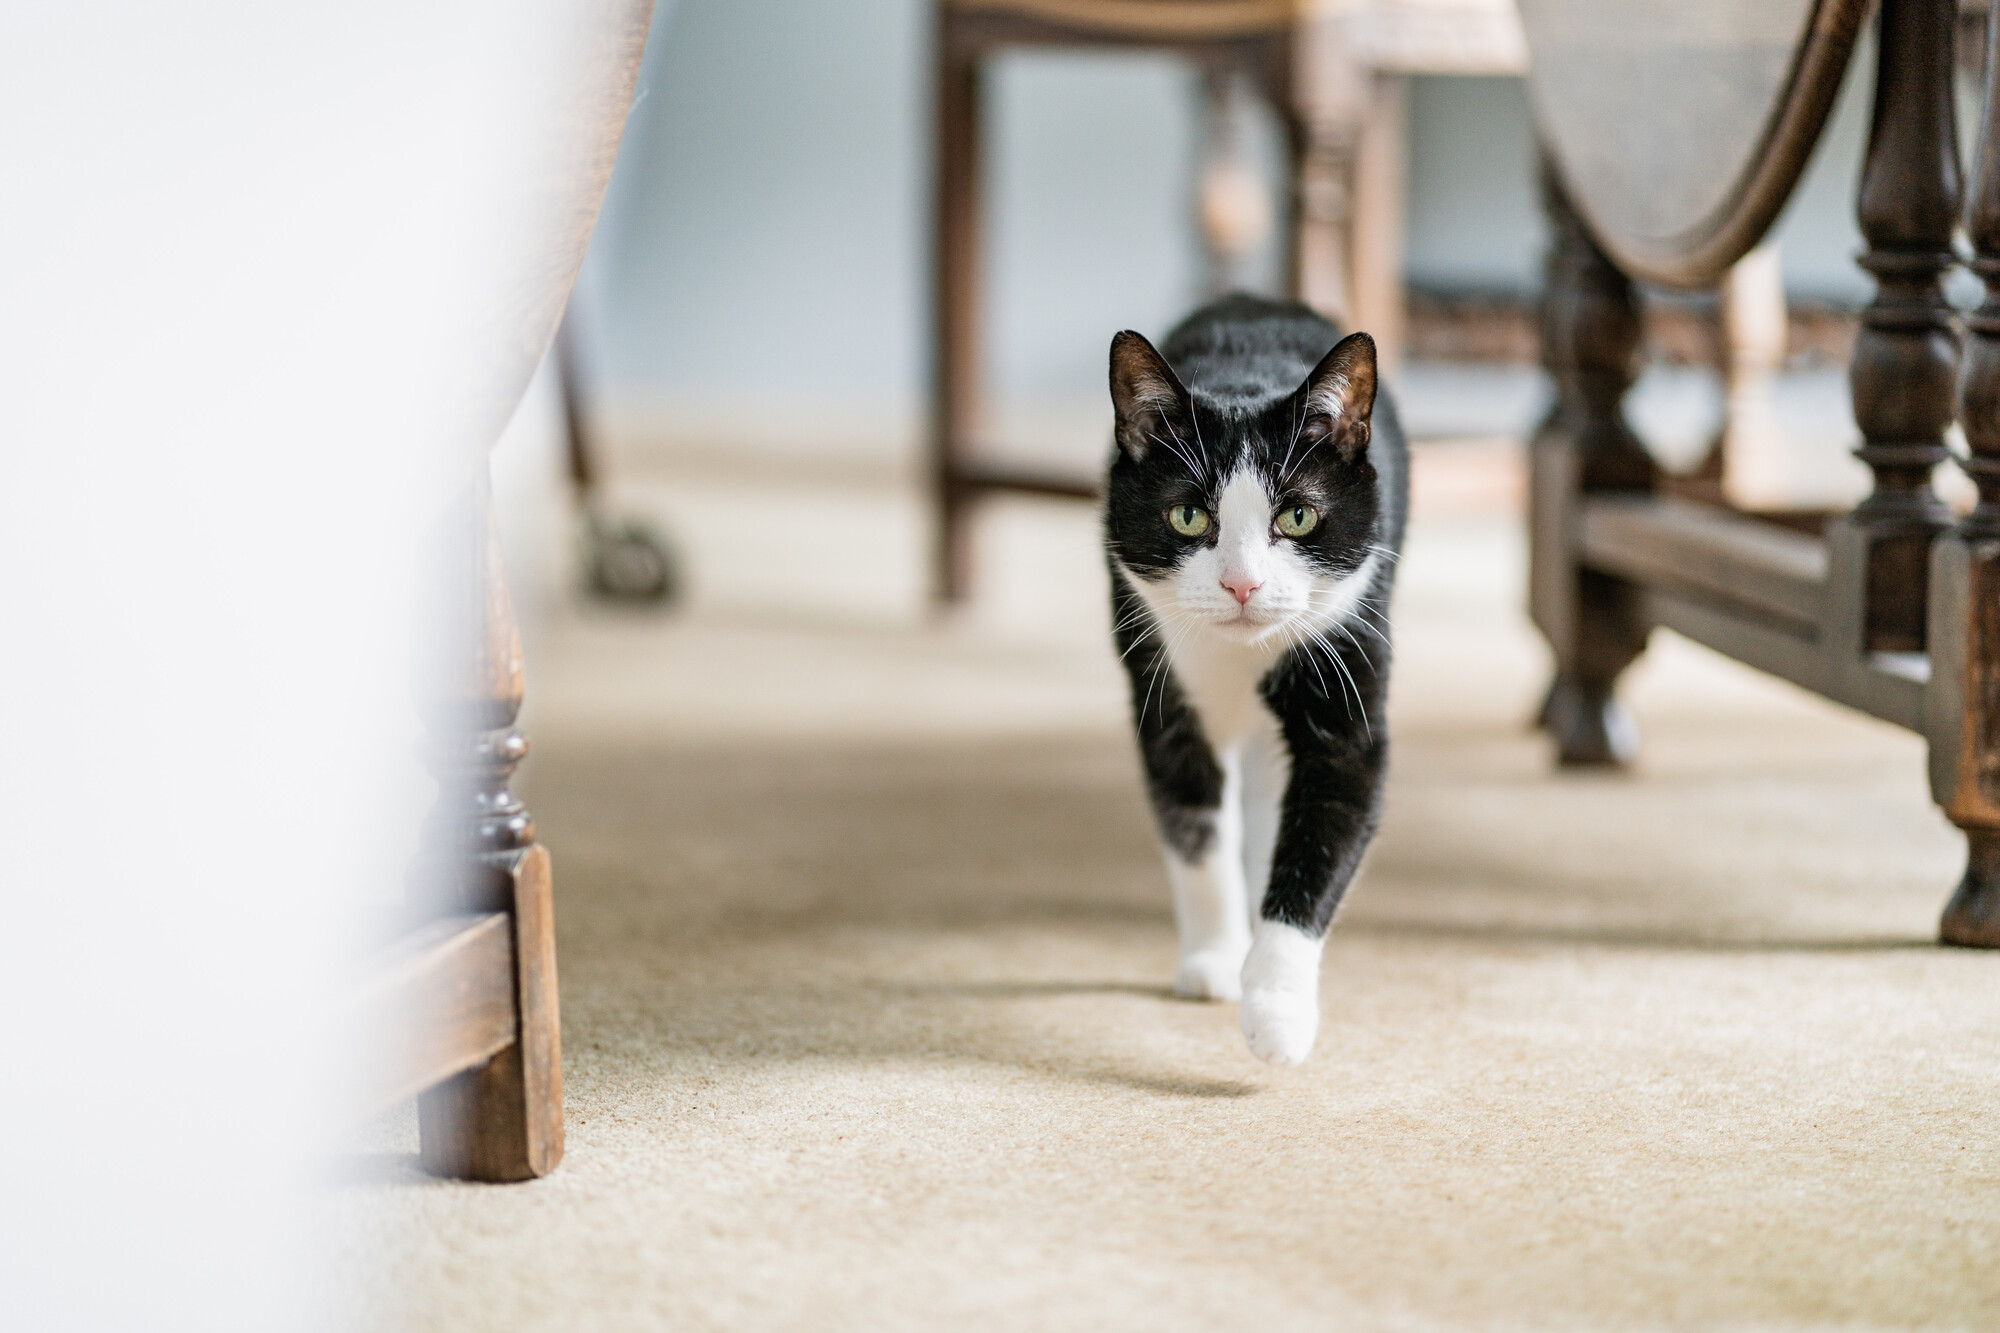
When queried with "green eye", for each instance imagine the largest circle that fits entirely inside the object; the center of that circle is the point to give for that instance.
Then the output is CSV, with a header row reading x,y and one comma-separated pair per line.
x,y
1188,520
1297,520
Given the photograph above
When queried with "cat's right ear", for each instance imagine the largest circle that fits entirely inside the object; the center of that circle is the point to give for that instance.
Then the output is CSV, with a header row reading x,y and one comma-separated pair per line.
x,y
1146,394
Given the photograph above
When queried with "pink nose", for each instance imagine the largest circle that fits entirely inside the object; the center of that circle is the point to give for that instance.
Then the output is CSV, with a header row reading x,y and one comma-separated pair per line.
x,y
1240,588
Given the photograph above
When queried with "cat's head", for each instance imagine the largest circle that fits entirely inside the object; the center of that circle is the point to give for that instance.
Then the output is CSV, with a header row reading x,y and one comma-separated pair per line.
x,y
1246,515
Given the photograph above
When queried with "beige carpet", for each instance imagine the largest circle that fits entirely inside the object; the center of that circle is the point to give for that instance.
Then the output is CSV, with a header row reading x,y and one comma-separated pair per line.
x,y
865,945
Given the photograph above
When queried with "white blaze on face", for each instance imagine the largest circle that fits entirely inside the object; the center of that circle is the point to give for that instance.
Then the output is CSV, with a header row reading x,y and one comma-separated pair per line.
x,y
1247,555
1244,546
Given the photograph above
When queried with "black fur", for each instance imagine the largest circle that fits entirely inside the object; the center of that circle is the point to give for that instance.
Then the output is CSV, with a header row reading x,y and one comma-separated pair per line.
x,y
1231,383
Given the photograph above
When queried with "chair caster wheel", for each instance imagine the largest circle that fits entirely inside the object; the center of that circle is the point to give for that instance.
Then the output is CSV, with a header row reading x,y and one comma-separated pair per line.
x,y
629,562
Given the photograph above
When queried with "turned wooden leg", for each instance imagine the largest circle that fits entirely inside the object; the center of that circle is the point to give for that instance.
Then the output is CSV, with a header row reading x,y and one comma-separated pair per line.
x,y
955,318
503,1120
1233,202
1379,203
1322,176
1962,707
1906,355
1590,345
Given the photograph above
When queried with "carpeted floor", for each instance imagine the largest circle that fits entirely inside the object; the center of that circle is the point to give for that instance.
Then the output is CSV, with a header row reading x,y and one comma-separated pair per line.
x,y
865,946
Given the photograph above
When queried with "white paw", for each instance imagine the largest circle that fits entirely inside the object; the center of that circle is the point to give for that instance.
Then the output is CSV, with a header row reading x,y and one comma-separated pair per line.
x,y
1280,1025
1280,1014
1211,974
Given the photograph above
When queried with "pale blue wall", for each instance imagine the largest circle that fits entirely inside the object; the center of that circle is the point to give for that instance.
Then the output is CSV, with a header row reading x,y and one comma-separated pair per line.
x,y
767,233
1474,217
765,218
768,226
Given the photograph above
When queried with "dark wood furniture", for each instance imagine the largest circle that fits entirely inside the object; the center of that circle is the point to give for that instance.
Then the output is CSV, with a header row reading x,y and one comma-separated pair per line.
x,y
1674,131
624,559
461,1010
1330,67
485,1112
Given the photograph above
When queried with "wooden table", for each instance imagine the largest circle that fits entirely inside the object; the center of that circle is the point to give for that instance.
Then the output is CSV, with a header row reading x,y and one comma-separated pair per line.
x,y
1673,133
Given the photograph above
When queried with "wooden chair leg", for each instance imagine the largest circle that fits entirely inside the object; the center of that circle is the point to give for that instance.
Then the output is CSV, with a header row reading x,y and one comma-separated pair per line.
x,y
1590,342
624,560
955,391
1322,175
1233,204
1962,706
1379,204
501,1121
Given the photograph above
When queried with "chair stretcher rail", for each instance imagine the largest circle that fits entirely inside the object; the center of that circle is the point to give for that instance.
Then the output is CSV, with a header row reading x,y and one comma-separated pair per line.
x,y
1749,589
1671,543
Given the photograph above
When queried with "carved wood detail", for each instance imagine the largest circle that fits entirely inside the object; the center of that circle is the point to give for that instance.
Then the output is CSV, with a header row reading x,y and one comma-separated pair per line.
x,y
502,1120
1905,365
1590,327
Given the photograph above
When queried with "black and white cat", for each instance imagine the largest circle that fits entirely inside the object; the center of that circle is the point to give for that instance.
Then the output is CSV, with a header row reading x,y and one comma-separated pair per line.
x,y
1253,516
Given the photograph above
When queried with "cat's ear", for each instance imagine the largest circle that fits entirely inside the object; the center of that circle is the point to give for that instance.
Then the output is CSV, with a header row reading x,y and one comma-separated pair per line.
x,y
1339,395
1147,395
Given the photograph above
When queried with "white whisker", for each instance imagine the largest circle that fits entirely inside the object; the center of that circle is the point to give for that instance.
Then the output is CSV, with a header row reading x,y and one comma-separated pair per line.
x,y
1161,665
1177,452
1306,647
1348,676
1182,451
1298,421
1358,647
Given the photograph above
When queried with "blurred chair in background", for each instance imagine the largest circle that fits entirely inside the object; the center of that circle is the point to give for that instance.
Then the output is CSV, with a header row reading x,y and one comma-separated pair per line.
x,y
624,559
1333,69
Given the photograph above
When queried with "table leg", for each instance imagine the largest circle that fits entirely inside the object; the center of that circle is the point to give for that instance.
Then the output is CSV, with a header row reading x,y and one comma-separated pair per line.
x,y
1906,355
1590,333
1962,707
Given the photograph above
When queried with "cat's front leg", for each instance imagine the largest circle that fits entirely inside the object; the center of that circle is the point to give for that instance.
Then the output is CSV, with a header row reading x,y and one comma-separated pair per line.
x,y
1196,810
1205,867
1332,804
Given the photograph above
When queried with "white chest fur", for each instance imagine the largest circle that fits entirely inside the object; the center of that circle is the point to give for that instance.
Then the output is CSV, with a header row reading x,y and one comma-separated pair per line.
x,y
1220,679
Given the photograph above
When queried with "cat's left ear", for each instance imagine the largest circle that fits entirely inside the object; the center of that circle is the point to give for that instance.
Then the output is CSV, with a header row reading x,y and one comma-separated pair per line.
x,y
1339,395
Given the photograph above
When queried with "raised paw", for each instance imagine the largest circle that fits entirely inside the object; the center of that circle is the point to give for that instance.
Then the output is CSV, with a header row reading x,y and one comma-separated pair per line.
x,y
1280,1013
1280,1024
1211,974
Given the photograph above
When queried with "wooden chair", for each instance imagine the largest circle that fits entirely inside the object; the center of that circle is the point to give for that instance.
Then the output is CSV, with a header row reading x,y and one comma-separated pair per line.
x,y
1332,68
1671,143
461,1010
